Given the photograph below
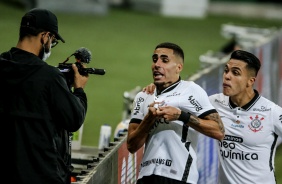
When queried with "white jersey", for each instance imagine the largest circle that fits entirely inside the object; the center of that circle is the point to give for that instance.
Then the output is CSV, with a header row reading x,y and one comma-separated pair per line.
x,y
247,152
170,149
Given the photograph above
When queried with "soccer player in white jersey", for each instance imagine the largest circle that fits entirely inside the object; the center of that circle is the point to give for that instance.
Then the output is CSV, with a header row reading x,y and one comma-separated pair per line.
x,y
168,122
252,124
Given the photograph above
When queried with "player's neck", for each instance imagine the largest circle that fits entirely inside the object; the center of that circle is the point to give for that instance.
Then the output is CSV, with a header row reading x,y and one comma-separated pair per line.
x,y
243,98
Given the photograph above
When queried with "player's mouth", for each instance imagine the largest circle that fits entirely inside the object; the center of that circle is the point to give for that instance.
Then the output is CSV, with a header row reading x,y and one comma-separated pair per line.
x,y
225,85
157,75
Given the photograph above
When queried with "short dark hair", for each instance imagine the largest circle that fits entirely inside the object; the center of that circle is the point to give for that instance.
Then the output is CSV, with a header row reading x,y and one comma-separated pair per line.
x,y
252,61
177,50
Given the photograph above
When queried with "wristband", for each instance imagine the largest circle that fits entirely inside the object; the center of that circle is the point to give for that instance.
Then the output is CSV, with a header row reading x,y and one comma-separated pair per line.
x,y
184,117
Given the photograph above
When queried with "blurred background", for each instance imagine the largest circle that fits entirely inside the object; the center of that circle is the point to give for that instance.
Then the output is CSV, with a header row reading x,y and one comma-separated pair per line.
x,y
122,34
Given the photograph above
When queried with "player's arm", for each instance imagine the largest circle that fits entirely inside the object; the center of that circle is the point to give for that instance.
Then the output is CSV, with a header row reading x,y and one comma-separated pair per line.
x,y
138,131
210,125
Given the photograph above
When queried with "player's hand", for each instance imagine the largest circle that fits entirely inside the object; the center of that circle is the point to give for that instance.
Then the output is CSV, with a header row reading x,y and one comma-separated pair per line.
x,y
79,80
153,107
149,89
169,113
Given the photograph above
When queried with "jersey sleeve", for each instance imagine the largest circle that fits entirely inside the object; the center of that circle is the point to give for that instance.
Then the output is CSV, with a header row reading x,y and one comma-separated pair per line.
x,y
198,102
277,120
139,107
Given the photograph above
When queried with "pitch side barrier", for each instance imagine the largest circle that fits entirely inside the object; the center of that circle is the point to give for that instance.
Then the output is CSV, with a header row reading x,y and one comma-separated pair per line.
x,y
117,166
112,165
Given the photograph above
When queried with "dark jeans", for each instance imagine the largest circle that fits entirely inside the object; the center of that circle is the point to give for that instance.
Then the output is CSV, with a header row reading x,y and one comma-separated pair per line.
x,y
155,179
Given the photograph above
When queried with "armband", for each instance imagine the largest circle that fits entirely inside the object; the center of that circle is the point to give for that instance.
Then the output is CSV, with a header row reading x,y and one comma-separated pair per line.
x,y
184,117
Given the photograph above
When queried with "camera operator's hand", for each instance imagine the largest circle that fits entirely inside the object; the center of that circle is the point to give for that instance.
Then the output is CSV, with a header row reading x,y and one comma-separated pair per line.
x,y
79,80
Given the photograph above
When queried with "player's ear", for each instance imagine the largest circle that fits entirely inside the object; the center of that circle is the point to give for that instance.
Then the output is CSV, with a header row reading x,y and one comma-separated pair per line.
x,y
179,68
251,81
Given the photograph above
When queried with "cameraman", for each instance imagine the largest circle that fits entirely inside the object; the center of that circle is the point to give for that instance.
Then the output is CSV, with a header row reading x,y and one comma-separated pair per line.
x,y
37,108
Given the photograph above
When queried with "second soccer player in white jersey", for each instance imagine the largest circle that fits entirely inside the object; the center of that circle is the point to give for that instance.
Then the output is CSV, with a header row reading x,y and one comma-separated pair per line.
x,y
252,124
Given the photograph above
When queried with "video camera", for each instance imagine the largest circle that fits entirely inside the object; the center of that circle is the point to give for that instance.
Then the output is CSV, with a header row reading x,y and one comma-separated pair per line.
x,y
82,55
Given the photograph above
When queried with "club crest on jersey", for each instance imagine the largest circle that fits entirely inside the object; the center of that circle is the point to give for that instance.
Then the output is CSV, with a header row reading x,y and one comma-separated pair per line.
x,y
255,124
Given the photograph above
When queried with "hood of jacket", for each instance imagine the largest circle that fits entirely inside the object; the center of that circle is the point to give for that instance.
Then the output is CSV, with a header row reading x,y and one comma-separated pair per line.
x,y
16,65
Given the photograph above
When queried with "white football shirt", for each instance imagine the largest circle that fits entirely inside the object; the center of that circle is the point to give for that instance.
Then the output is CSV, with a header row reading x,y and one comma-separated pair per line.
x,y
247,152
170,149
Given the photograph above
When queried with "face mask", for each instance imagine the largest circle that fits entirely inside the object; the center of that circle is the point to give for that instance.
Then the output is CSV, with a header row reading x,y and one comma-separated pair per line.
x,y
46,52
46,55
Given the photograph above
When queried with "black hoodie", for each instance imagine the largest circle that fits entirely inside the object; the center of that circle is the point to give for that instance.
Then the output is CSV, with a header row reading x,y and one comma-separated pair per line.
x,y
37,110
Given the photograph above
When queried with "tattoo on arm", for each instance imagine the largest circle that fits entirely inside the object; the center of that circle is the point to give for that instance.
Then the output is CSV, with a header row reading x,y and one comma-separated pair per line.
x,y
194,120
215,117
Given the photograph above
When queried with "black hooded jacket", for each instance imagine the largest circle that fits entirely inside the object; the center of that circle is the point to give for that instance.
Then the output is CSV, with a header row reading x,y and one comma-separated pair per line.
x,y
37,110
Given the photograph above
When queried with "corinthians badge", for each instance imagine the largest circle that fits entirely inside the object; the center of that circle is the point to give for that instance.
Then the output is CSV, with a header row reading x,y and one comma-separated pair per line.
x,y
255,124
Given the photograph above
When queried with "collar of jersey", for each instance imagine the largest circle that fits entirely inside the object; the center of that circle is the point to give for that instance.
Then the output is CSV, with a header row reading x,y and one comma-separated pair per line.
x,y
169,88
248,105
